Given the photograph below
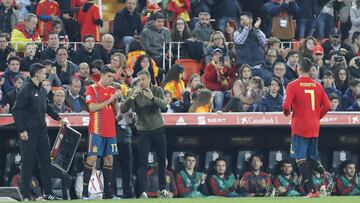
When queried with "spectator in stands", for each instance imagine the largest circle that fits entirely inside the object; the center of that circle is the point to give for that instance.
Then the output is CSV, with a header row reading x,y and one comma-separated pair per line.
x,y
123,72
355,18
59,102
292,65
329,85
73,99
308,11
287,183
95,69
10,97
235,104
189,94
279,73
253,94
90,20
226,10
10,73
153,36
145,62
335,102
217,41
136,49
127,25
336,60
348,97
306,48
347,183
29,57
58,27
84,76
24,32
272,101
65,69
335,44
5,50
51,73
203,30
217,77
255,183
202,102
180,31
87,52
265,72
153,182
249,42
314,72
53,43
317,56
174,83
245,74
324,183
282,13
106,49
355,40
230,28
325,22
354,67
50,94
9,16
169,102
197,7
342,79
189,181
275,43
223,182
47,11
356,105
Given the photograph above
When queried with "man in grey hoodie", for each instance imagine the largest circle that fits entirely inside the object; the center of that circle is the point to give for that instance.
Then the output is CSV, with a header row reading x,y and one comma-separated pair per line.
x,y
203,29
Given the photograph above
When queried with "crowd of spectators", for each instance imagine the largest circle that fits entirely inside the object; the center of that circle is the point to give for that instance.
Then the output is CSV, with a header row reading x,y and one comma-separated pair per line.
x,y
247,55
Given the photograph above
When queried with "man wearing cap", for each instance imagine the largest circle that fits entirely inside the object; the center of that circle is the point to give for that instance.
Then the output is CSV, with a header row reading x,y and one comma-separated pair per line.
x,y
335,44
218,77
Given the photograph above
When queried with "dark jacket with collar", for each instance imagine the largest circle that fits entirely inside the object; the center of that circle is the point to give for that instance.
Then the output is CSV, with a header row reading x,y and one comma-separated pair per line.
x,y
347,99
69,104
70,72
125,24
153,39
82,55
48,53
30,108
354,107
105,55
270,104
3,57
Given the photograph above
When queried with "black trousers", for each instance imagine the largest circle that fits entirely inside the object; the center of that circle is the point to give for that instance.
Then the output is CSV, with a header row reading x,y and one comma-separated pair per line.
x,y
146,140
37,145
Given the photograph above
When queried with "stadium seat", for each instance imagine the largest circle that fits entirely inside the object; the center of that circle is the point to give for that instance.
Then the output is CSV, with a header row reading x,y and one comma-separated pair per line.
x,y
242,161
339,157
60,183
210,157
190,67
275,157
11,167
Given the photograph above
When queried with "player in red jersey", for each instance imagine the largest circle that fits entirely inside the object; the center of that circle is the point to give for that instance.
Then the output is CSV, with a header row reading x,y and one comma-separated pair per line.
x,y
309,103
101,99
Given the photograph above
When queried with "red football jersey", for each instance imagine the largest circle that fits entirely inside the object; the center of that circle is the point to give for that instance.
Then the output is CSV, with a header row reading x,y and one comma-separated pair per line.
x,y
88,24
102,122
309,103
46,8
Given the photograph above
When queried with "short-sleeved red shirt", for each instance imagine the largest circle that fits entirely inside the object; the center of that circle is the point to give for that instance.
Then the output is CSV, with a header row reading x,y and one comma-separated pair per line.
x,y
102,122
309,103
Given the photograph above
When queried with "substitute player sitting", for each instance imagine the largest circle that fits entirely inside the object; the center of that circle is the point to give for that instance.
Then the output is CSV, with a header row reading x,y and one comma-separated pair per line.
x,y
309,103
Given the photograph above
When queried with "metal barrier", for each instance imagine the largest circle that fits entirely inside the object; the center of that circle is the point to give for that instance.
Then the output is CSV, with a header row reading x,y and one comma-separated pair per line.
x,y
42,45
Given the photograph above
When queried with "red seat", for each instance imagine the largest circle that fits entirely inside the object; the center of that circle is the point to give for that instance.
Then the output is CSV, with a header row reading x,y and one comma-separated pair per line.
x,y
190,67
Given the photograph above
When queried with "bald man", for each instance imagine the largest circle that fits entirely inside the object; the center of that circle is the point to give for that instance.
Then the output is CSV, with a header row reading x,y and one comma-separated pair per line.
x,y
106,48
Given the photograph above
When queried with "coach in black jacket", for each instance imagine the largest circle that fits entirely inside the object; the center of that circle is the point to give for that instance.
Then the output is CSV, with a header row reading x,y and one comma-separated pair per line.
x,y
29,111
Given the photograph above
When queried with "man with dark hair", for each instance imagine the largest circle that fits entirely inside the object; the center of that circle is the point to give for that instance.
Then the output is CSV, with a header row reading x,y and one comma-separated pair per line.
x,y
279,73
309,104
153,36
10,73
271,101
29,113
223,183
266,70
59,102
328,84
249,41
9,16
52,45
147,101
255,182
102,103
5,50
73,99
65,69
292,65
348,182
189,181
87,53
10,97
288,183
349,97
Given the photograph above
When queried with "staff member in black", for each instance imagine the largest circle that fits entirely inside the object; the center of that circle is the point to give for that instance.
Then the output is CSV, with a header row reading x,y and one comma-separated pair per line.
x,y
29,111
147,101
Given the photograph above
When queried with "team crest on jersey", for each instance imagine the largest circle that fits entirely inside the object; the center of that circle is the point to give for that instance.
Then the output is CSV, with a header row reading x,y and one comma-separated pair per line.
x,y
94,149
88,97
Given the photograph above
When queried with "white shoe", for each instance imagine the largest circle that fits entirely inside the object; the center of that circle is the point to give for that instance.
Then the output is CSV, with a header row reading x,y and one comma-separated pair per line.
x,y
164,194
323,192
144,196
